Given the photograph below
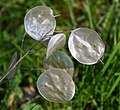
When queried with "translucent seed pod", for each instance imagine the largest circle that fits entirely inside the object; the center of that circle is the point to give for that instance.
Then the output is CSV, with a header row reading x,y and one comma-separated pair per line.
x,y
60,60
86,46
11,64
56,42
39,21
10,74
56,85
45,42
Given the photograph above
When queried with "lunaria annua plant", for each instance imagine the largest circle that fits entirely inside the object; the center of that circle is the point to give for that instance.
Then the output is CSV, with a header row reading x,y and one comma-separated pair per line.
x,y
85,45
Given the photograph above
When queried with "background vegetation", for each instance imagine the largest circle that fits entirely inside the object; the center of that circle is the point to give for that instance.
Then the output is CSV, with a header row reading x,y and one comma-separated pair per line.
x,y
97,86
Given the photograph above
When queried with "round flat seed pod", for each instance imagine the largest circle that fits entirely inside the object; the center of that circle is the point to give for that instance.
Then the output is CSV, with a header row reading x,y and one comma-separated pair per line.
x,y
39,21
56,42
60,60
86,46
56,85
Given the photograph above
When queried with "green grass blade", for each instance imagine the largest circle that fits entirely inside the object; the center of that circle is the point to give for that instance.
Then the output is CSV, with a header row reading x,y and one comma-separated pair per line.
x,y
89,13
113,87
115,50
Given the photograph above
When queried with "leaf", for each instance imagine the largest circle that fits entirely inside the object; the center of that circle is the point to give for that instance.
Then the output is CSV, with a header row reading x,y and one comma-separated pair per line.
x,y
56,42
60,60
31,106
86,46
113,87
56,85
39,21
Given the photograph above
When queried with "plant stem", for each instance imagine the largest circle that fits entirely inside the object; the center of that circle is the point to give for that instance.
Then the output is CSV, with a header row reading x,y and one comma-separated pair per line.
x,y
21,58
22,43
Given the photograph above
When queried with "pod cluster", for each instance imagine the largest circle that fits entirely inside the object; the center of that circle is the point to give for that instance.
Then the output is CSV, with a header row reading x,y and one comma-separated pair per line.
x,y
55,84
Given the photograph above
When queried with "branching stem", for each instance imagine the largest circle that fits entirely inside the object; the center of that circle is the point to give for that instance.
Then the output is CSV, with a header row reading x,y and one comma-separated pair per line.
x,y
21,58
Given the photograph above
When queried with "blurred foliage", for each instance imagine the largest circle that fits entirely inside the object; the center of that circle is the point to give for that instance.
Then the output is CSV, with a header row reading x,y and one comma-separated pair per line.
x,y
97,86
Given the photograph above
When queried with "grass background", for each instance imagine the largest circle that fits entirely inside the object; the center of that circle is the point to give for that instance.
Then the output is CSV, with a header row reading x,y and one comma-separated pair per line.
x,y
97,86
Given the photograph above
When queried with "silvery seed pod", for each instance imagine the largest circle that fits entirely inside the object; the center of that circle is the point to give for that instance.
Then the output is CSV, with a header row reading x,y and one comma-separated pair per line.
x,y
86,46
39,21
60,60
56,42
56,85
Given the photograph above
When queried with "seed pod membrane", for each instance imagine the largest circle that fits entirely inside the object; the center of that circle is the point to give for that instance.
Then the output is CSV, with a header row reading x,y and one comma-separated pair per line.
x,y
56,42
60,60
56,85
39,21
86,46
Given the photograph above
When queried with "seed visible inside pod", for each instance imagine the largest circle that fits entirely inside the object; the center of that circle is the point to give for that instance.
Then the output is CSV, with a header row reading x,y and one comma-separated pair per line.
x,y
86,46
39,21
56,85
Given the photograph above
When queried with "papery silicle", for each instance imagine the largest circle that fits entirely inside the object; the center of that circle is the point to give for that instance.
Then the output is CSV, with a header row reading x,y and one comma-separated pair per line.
x,y
39,21
56,42
60,60
86,46
56,85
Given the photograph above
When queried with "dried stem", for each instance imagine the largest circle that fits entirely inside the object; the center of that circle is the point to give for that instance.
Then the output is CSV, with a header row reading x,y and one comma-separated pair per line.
x,y
22,43
21,58
63,31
